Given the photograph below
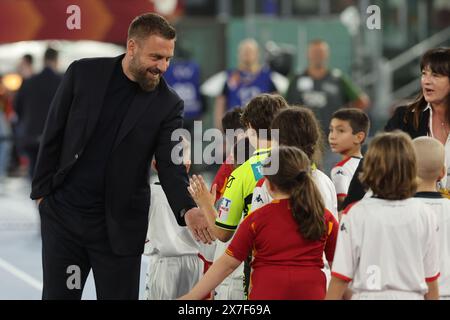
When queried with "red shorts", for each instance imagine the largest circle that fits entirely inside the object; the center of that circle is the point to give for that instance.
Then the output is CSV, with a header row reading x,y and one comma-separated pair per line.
x,y
287,283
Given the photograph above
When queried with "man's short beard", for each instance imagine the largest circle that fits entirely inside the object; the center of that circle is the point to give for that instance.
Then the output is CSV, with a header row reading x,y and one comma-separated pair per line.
x,y
140,75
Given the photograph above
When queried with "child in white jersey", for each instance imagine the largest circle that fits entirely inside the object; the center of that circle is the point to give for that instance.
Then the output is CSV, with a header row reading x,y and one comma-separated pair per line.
x,y
430,155
348,130
387,244
176,259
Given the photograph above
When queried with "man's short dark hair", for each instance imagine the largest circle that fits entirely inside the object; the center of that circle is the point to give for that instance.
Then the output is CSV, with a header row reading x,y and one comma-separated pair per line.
x,y
50,55
232,119
28,58
149,24
358,119
261,110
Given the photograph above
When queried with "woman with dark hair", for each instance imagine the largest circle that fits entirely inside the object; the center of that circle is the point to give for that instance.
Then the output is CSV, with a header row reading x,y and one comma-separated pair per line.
x,y
429,114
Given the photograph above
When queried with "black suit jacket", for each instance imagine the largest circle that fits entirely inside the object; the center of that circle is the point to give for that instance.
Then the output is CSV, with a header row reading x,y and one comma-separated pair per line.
x,y
397,122
32,103
146,131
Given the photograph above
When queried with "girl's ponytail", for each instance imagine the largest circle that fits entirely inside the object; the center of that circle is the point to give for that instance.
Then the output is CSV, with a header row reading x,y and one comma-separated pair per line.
x,y
307,207
294,177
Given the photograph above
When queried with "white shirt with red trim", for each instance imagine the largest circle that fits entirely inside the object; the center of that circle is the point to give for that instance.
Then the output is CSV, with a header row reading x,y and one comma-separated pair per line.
x,y
326,188
165,236
342,174
441,208
387,245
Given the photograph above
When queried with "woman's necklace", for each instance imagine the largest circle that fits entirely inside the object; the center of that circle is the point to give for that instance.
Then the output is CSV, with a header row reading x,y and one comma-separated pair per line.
x,y
443,124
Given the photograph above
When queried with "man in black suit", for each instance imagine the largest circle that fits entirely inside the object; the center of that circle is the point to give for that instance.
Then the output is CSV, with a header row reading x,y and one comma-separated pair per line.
x,y
107,120
32,103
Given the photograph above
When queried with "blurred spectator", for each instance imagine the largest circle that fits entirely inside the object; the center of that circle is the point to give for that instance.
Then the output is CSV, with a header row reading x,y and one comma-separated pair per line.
x,y
247,81
5,132
32,104
183,75
441,14
18,162
322,89
25,67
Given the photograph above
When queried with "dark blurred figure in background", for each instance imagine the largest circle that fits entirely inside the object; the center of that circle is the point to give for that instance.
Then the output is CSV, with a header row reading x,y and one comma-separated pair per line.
x,y
25,67
18,163
32,103
5,132
183,75
322,89
245,82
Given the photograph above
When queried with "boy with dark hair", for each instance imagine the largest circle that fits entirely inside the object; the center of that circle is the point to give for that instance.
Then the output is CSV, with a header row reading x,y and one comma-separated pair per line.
x,y
232,120
348,131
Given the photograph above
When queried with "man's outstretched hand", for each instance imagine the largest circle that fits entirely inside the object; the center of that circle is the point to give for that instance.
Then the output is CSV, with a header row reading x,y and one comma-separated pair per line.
x,y
198,225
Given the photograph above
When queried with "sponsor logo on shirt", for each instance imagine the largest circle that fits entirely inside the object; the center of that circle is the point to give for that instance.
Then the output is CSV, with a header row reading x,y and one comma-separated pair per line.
x,y
256,168
224,208
259,199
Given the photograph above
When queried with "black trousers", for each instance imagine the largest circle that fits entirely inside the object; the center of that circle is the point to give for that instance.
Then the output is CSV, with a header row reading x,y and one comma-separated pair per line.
x,y
31,152
72,245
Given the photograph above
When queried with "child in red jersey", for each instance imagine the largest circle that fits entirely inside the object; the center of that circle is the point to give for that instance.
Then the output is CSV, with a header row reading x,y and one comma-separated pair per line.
x,y
288,236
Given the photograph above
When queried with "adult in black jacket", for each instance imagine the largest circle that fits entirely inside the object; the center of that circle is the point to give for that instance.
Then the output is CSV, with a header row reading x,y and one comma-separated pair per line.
x,y
107,120
428,115
32,103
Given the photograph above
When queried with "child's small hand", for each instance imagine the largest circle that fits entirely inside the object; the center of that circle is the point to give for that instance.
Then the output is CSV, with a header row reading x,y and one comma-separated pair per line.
x,y
200,193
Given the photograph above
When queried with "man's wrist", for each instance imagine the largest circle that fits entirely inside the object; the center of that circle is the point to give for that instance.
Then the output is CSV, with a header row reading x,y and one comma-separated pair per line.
x,y
184,211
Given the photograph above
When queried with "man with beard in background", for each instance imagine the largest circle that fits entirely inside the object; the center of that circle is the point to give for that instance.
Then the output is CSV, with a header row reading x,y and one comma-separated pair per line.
x,y
107,120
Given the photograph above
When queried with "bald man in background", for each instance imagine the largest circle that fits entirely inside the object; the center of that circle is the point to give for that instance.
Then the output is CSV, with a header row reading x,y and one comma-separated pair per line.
x,y
324,90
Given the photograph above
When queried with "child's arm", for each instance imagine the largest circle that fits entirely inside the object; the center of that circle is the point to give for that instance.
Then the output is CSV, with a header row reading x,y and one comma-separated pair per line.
x,y
336,289
220,269
433,290
348,294
205,201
